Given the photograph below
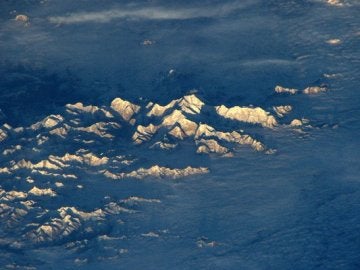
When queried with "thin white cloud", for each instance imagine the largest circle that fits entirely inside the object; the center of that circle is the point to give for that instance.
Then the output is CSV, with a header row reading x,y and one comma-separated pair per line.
x,y
265,62
153,13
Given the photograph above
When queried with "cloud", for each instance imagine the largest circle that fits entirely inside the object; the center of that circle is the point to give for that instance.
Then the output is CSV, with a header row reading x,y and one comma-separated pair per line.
x,y
266,62
150,13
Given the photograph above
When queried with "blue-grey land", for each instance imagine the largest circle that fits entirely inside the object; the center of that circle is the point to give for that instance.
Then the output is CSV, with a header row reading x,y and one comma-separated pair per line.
x,y
179,134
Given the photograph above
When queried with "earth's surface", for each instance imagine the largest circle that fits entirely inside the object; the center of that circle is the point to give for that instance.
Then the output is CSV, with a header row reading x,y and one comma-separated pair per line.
x,y
179,134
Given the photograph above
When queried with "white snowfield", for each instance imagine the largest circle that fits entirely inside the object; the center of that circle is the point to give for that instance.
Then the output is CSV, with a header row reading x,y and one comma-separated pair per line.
x,y
307,91
122,141
248,115
337,3
281,89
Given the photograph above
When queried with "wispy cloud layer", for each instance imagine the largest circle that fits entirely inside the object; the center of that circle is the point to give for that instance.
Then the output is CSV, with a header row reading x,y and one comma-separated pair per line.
x,y
153,13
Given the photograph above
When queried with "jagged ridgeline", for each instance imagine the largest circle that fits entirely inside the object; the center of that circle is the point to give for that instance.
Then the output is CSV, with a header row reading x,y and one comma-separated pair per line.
x,y
120,141
87,136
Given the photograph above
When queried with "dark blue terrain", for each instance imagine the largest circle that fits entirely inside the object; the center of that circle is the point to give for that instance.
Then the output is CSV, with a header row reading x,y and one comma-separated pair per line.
x,y
298,208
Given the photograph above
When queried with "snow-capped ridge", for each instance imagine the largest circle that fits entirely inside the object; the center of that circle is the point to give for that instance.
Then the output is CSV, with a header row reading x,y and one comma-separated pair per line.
x,y
158,172
42,192
181,126
84,143
91,109
314,90
212,146
144,133
190,104
135,199
248,115
4,132
307,91
124,108
283,110
281,89
159,110
48,122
